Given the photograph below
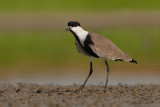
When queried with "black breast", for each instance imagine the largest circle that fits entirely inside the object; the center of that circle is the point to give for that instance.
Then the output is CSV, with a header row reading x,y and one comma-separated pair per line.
x,y
87,48
88,41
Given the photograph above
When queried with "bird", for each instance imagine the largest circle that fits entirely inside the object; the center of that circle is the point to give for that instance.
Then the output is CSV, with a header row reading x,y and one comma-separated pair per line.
x,y
96,46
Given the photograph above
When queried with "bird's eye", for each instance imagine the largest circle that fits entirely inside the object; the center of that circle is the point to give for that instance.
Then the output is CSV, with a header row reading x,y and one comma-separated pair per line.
x,y
75,25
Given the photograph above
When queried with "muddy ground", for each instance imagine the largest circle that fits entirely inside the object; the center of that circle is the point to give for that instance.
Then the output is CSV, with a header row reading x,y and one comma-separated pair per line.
x,y
34,95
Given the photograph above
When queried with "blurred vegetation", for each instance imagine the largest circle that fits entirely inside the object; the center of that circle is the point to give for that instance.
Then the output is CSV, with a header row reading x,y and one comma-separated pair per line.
x,y
55,48
79,5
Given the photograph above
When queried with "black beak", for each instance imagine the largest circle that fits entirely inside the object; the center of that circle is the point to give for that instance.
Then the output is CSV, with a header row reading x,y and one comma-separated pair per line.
x,y
68,29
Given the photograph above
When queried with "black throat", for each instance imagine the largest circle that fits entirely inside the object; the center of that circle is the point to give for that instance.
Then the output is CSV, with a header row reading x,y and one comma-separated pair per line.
x,y
88,41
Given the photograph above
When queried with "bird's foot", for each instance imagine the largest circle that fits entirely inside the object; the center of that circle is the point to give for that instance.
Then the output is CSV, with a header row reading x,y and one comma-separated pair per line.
x,y
105,90
80,89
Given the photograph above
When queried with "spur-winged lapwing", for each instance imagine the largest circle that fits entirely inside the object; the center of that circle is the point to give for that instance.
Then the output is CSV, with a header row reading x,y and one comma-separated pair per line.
x,y
95,45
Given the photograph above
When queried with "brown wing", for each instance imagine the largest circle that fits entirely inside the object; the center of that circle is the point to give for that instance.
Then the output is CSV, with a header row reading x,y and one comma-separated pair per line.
x,y
105,48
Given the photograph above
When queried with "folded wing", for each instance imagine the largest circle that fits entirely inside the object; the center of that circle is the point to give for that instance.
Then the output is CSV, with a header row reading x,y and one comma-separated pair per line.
x,y
105,48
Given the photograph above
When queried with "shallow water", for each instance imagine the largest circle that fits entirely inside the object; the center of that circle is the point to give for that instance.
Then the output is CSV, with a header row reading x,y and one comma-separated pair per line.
x,y
78,78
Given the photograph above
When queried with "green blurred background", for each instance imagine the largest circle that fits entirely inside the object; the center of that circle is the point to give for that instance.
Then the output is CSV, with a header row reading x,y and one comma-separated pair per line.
x,y
33,40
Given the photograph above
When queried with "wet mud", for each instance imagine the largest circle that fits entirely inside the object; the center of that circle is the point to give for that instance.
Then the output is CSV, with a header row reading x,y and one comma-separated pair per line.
x,y
35,95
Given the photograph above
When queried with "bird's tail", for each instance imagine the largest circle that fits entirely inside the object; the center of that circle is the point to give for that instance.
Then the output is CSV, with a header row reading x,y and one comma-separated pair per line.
x,y
133,61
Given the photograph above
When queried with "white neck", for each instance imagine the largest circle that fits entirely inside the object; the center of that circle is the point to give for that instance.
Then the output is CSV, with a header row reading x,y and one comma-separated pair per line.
x,y
82,34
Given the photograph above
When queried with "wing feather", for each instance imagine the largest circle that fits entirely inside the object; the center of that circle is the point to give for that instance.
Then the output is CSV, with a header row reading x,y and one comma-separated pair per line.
x,y
105,48
80,49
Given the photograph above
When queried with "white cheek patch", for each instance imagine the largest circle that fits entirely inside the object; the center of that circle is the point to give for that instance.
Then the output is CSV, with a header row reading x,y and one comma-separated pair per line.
x,y
82,34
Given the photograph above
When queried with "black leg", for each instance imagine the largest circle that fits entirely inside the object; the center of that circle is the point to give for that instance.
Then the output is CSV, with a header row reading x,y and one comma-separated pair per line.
x,y
105,88
90,73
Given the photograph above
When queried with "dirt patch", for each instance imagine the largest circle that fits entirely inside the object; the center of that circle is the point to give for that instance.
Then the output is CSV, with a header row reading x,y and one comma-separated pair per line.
x,y
34,95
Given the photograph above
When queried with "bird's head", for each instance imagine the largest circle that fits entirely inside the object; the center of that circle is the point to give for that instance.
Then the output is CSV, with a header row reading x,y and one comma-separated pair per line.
x,y
73,25
76,29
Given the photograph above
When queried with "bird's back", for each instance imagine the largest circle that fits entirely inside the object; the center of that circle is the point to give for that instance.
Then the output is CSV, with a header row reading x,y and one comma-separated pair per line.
x,y
105,48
